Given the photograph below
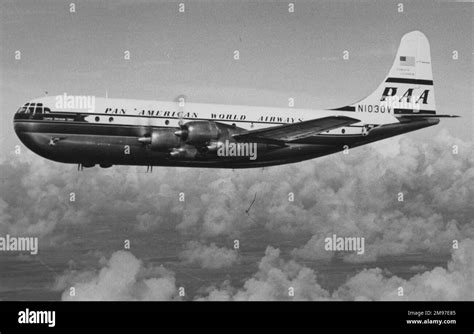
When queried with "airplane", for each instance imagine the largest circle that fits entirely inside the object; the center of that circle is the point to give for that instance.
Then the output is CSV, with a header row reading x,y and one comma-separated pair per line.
x,y
91,131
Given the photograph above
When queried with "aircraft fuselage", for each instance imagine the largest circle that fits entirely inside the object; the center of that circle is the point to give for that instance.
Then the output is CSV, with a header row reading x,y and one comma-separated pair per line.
x,y
120,132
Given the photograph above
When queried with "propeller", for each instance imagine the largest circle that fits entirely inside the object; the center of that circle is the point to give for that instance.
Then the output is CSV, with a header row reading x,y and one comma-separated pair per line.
x,y
147,130
181,99
147,127
182,132
181,104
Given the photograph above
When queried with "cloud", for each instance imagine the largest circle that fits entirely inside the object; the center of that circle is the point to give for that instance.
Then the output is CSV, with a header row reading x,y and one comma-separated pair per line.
x,y
357,196
276,279
33,199
216,210
347,195
208,257
122,277
440,284
276,276
147,221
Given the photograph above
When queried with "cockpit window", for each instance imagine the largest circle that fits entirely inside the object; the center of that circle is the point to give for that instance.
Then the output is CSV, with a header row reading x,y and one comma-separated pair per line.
x,y
21,110
31,108
39,108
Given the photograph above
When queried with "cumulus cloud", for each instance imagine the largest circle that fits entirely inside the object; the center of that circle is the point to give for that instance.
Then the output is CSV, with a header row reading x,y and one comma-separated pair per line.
x,y
357,196
276,276
33,200
276,279
353,195
122,277
216,203
208,257
348,195
440,284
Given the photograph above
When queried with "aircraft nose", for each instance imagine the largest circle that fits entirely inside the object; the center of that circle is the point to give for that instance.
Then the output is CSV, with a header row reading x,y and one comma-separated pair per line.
x,y
26,131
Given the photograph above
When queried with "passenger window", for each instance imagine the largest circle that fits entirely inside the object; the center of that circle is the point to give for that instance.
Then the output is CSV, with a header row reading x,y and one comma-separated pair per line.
x,y
31,108
38,110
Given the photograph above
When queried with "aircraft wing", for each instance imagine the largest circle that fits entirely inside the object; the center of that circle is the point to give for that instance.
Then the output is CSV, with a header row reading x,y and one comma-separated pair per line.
x,y
294,131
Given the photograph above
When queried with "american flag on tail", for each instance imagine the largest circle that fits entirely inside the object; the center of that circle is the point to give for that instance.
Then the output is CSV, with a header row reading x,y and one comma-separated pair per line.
x,y
407,61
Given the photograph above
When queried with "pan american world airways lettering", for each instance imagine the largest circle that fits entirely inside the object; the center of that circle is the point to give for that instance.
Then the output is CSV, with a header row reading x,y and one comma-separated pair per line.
x,y
178,114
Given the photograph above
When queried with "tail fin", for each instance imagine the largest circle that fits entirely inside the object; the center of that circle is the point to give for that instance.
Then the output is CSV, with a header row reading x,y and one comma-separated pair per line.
x,y
408,89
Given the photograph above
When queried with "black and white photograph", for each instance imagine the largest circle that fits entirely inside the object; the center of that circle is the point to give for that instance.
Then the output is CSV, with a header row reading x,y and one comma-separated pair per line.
x,y
242,156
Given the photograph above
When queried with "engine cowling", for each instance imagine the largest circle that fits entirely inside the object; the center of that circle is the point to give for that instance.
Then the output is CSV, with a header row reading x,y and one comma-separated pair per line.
x,y
198,133
195,139
161,140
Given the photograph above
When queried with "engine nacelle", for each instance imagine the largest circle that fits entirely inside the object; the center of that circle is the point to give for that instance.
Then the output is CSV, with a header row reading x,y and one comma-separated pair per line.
x,y
198,133
161,140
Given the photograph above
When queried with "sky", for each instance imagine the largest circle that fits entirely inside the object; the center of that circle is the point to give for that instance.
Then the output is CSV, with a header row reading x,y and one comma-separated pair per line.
x,y
191,244
282,55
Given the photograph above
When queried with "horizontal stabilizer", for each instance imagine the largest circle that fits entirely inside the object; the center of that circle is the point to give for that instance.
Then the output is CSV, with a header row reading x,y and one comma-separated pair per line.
x,y
295,131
